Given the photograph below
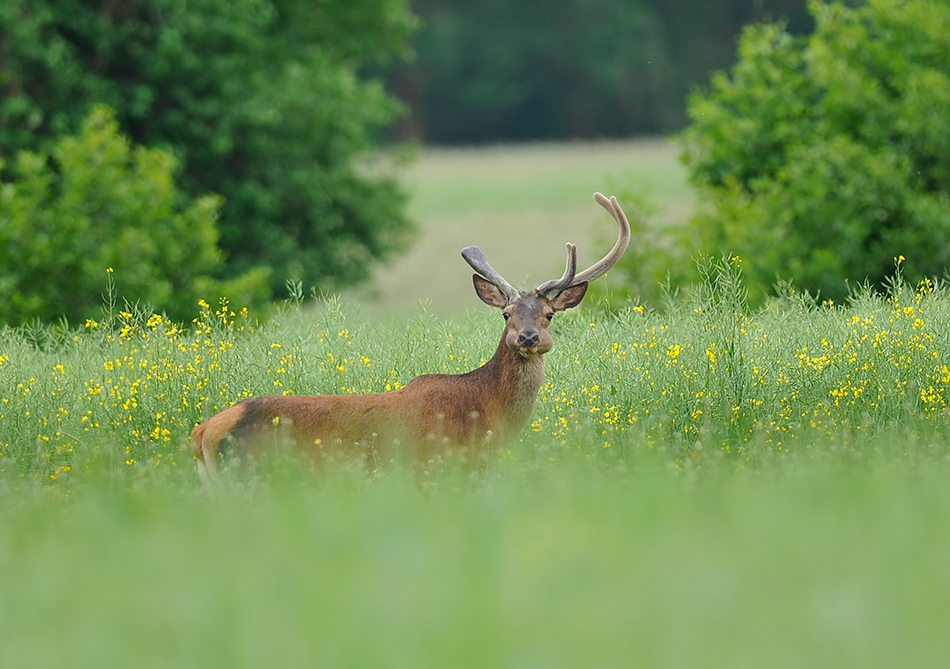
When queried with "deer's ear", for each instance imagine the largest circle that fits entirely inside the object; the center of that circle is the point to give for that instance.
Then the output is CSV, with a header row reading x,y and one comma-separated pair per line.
x,y
569,297
489,292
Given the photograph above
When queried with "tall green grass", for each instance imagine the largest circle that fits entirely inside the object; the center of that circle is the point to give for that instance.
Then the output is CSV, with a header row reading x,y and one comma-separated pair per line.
x,y
702,486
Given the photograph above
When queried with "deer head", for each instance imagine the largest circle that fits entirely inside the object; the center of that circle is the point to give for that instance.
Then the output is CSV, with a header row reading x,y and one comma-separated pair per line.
x,y
528,314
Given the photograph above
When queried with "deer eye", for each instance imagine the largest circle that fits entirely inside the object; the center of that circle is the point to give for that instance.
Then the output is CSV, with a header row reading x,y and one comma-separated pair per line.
x,y
505,315
549,316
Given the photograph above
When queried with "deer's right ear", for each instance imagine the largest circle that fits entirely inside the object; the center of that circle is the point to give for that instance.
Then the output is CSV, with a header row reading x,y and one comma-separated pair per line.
x,y
489,293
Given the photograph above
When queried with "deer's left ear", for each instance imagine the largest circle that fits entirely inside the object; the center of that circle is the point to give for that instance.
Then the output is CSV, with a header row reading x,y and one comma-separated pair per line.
x,y
569,297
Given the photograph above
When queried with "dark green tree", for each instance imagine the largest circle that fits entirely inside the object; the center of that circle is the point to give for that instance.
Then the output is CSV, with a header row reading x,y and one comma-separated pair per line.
x,y
261,101
821,159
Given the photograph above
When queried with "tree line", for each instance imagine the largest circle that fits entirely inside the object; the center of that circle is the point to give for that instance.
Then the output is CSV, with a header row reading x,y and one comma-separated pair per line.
x,y
497,70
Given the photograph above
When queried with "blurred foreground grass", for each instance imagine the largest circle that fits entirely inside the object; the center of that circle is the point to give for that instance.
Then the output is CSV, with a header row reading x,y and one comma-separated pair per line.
x,y
581,564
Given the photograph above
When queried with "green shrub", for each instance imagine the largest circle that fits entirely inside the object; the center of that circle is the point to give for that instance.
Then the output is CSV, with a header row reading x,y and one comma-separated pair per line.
x,y
102,206
821,159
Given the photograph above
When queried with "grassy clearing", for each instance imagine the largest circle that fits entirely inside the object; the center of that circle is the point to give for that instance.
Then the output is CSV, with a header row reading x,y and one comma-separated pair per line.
x,y
520,205
701,487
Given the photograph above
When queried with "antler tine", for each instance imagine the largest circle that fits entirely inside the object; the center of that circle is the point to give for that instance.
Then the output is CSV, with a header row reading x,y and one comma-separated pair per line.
x,y
474,257
600,268
555,286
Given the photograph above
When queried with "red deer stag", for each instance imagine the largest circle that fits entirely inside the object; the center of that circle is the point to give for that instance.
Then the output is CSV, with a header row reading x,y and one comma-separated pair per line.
x,y
434,414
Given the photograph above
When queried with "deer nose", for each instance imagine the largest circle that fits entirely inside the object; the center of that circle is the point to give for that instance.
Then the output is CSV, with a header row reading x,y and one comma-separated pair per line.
x,y
529,338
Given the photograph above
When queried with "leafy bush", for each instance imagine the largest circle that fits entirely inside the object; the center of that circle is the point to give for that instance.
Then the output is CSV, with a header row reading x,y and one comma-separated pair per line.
x,y
262,101
821,159
102,205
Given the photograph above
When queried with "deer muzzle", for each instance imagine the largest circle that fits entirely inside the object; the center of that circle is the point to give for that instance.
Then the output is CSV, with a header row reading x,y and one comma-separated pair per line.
x,y
528,338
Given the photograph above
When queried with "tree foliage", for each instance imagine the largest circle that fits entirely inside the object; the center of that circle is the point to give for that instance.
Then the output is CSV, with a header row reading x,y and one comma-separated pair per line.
x,y
101,206
821,159
260,100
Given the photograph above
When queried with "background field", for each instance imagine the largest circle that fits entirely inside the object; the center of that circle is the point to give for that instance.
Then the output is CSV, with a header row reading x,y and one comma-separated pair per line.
x,y
520,205
700,487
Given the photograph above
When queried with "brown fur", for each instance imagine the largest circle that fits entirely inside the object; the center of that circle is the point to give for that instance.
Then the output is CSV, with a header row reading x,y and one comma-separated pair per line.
x,y
433,416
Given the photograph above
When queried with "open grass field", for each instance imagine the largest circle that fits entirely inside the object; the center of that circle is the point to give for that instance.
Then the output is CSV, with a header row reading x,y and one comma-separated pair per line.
x,y
520,205
702,487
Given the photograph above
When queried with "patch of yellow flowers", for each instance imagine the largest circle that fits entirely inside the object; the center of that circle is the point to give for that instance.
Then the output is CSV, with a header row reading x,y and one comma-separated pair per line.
x,y
746,378
149,381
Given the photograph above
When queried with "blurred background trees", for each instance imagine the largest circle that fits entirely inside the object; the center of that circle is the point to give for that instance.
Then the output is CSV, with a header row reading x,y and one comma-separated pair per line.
x,y
497,70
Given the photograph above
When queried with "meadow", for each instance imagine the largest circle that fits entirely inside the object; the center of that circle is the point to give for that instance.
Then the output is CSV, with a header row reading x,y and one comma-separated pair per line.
x,y
519,205
702,485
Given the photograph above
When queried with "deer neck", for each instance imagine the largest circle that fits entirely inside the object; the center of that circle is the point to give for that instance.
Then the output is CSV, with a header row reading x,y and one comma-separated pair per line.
x,y
515,380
